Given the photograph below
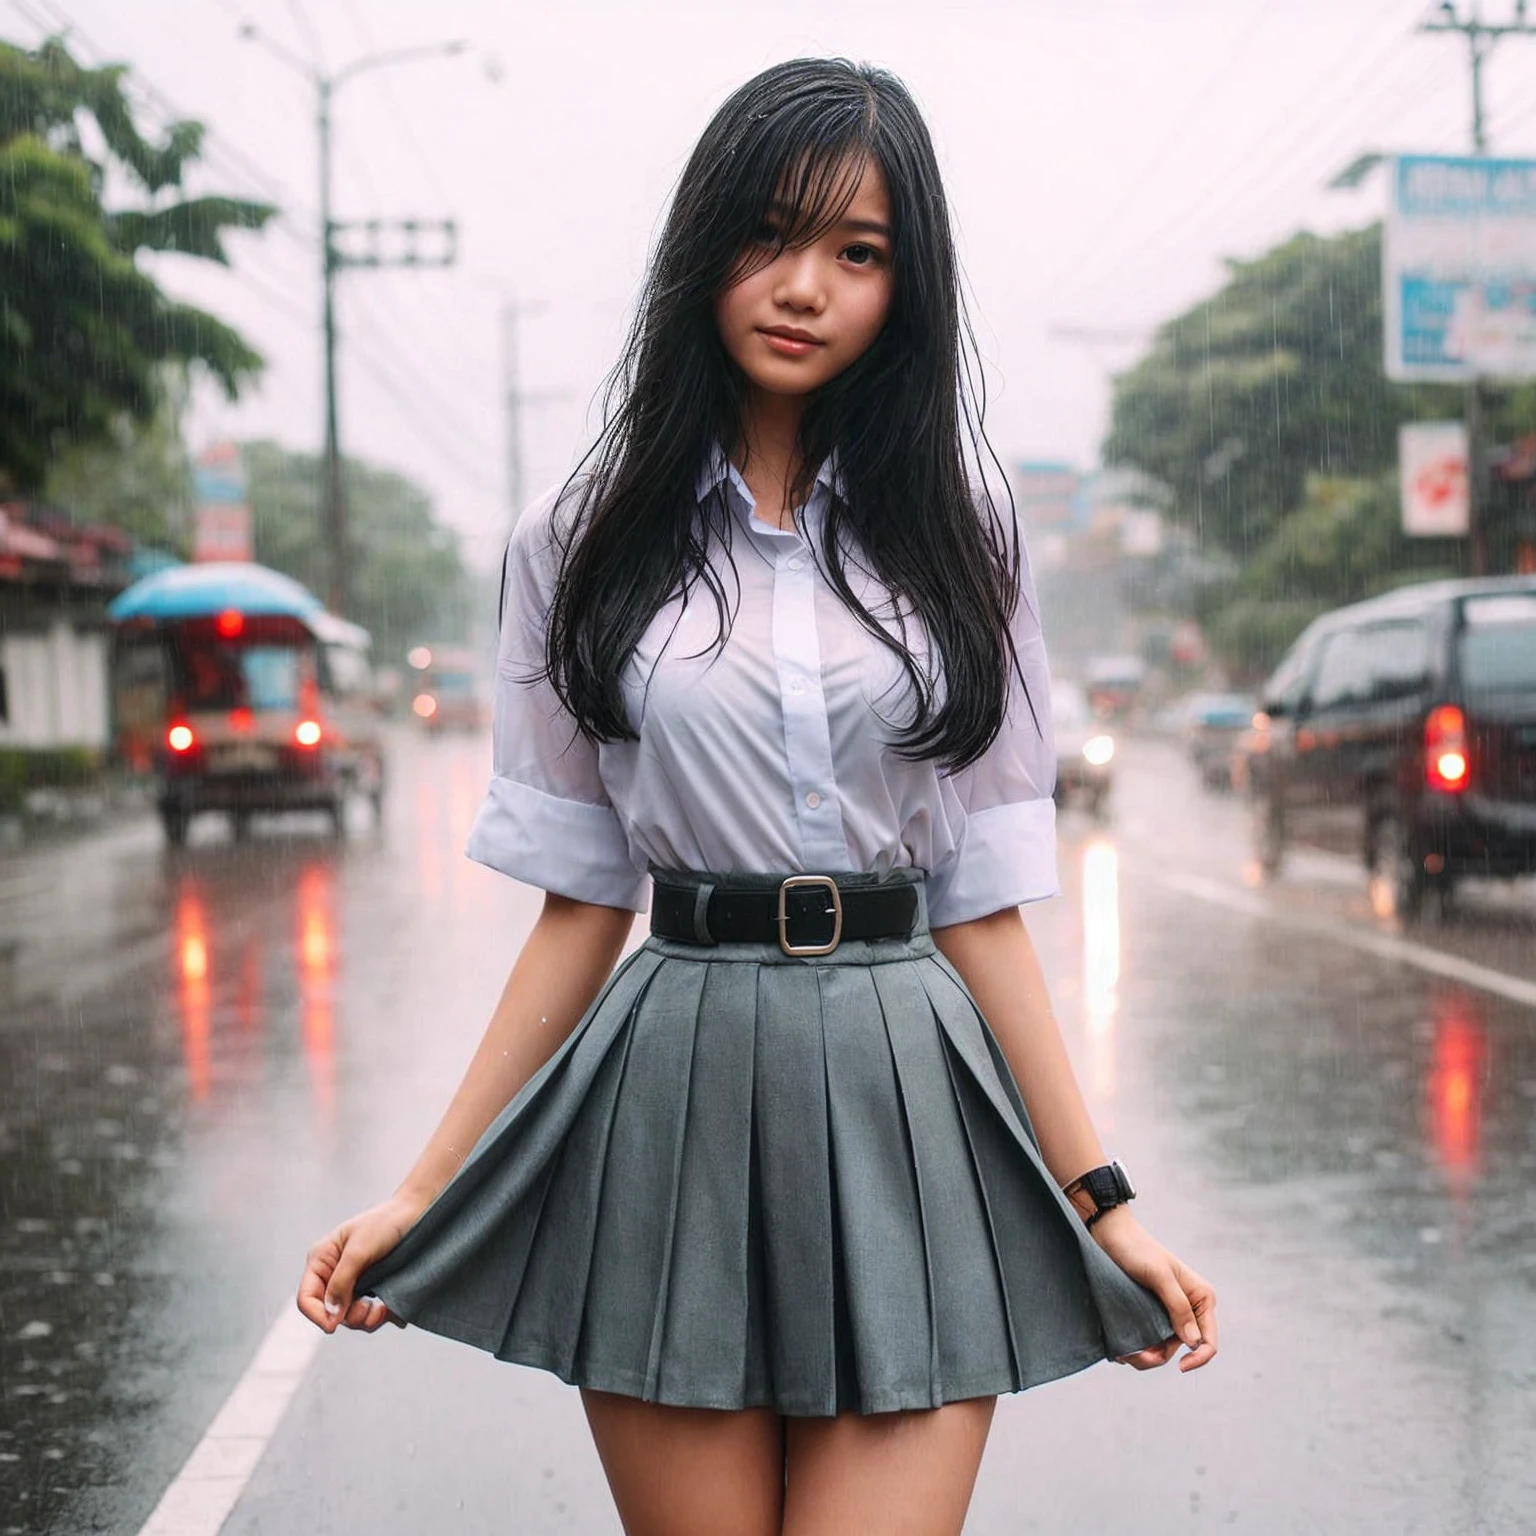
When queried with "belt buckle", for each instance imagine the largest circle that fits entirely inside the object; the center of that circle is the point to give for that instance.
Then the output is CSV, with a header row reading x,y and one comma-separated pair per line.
x,y
827,883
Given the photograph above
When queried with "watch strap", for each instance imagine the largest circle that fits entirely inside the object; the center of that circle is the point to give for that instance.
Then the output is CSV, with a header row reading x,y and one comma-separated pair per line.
x,y
1106,1186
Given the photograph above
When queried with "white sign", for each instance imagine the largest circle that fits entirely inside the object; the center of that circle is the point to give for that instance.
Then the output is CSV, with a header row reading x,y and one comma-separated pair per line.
x,y
221,533
1432,461
1459,269
221,523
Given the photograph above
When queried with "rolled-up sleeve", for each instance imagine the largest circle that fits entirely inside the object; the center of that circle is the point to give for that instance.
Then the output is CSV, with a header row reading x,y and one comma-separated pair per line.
x,y
1005,849
546,819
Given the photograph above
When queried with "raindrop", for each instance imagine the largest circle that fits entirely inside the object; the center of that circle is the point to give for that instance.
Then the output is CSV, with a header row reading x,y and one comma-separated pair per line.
x,y
36,1330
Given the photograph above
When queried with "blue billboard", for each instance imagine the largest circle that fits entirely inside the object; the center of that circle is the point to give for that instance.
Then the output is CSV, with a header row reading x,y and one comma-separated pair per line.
x,y
1459,269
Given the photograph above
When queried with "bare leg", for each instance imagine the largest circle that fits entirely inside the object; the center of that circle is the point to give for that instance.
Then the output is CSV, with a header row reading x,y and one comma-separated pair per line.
x,y
888,1474
690,1471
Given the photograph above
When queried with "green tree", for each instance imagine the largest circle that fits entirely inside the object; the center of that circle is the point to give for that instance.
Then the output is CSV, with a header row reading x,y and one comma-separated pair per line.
x,y
1344,543
1276,377
84,333
407,577
137,478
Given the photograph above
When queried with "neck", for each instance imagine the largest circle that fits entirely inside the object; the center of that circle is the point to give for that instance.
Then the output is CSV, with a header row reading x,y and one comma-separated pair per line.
x,y
768,455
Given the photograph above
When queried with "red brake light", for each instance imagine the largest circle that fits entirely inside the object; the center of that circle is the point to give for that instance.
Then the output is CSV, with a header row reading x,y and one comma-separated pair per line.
x,y
1446,766
180,738
230,623
307,733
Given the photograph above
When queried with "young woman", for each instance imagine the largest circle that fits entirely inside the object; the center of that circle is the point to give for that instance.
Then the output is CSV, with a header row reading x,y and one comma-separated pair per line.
x,y
805,1183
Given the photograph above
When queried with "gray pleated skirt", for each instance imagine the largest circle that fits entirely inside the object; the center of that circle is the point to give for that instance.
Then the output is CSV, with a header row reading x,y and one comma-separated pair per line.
x,y
750,1180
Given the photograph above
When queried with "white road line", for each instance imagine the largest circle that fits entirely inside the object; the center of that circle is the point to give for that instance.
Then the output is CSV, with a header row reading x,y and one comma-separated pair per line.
x,y
1382,945
205,1491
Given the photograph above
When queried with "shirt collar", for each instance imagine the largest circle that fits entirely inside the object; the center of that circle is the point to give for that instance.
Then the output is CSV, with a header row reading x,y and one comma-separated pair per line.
x,y
718,470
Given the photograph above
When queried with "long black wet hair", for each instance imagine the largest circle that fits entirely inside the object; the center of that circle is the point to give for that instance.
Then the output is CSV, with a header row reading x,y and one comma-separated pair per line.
x,y
904,419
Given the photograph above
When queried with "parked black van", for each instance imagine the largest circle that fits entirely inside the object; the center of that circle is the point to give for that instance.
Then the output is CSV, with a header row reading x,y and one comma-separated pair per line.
x,y
1404,729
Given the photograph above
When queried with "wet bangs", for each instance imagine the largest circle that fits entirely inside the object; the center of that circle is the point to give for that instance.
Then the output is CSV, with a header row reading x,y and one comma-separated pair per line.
x,y
795,161
813,195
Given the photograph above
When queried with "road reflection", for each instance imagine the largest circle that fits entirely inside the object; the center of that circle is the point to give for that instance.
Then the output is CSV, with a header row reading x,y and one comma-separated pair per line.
x,y
194,990
234,976
1454,1087
316,912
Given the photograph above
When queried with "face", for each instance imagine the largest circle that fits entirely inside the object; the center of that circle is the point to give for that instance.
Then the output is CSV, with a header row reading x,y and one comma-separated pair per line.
x,y
800,320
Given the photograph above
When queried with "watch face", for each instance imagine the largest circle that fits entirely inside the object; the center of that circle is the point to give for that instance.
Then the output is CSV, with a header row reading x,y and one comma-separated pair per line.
x,y
1127,1190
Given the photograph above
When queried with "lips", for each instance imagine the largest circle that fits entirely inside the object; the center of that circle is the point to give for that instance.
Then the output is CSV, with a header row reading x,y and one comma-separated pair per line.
x,y
788,341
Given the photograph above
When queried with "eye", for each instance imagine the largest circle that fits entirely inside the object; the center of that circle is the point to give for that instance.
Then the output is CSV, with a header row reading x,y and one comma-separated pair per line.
x,y
767,233
861,255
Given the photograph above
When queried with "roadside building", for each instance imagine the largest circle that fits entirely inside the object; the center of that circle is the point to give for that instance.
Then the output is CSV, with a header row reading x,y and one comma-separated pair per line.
x,y
56,577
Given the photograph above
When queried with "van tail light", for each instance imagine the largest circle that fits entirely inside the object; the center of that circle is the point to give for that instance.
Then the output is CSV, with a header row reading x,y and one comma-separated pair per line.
x,y
307,733
180,738
1446,766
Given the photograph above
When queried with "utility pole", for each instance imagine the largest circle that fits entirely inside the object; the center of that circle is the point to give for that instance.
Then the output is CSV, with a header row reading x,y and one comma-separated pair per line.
x,y
514,404
333,260
1482,37
514,399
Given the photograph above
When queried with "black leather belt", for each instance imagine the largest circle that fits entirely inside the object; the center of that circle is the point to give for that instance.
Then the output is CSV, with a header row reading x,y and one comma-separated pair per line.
x,y
802,914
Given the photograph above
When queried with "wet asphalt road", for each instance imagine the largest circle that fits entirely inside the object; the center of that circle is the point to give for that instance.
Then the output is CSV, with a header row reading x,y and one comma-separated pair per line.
x,y
207,1058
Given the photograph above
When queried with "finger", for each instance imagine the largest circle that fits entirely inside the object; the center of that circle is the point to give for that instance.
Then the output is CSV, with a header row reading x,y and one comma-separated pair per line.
x,y
338,1289
313,1308
1204,1301
378,1315
1176,1303
1150,1359
1203,1298
312,1286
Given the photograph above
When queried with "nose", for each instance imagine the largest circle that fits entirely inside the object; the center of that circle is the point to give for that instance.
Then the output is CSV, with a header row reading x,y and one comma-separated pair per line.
x,y
799,285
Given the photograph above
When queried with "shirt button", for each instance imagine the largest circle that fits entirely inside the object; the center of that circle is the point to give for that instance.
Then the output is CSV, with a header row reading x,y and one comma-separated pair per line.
x,y
813,799
798,686
796,562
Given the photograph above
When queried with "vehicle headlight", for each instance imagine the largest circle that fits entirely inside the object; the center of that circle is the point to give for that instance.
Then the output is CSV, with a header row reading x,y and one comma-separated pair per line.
x,y
1098,750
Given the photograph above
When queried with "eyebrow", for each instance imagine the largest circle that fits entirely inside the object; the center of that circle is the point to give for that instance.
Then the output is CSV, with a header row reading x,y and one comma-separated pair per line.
x,y
856,226
866,227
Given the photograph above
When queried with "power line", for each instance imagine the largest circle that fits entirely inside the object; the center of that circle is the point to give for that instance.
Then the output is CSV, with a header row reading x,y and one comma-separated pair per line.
x,y
398,117
306,29
55,20
1243,160
1201,215
451,416
1137,182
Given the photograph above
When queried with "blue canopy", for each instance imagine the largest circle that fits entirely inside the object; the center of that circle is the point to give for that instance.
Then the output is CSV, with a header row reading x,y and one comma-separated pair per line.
x,y
195,591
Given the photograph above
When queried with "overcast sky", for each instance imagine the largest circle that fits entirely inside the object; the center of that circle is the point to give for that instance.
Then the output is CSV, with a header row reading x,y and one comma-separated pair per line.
x,y
1101,157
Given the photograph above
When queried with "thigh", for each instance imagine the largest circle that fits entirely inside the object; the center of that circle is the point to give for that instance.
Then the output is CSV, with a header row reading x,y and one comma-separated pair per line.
x,y
887,1474
690,1471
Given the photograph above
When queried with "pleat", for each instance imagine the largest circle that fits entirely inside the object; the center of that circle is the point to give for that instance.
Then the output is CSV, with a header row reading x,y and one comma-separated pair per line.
x,y
749,1181
450,1272
632,1226
1069,1302
972,1341
704,1347
550,1311
789,1122
882,1237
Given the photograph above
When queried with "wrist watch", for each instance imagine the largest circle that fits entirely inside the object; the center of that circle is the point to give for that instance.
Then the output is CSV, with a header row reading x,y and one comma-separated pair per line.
x,y
1100,1189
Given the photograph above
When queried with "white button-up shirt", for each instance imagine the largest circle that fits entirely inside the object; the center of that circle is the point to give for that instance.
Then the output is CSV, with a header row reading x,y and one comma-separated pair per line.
x,y
775,753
